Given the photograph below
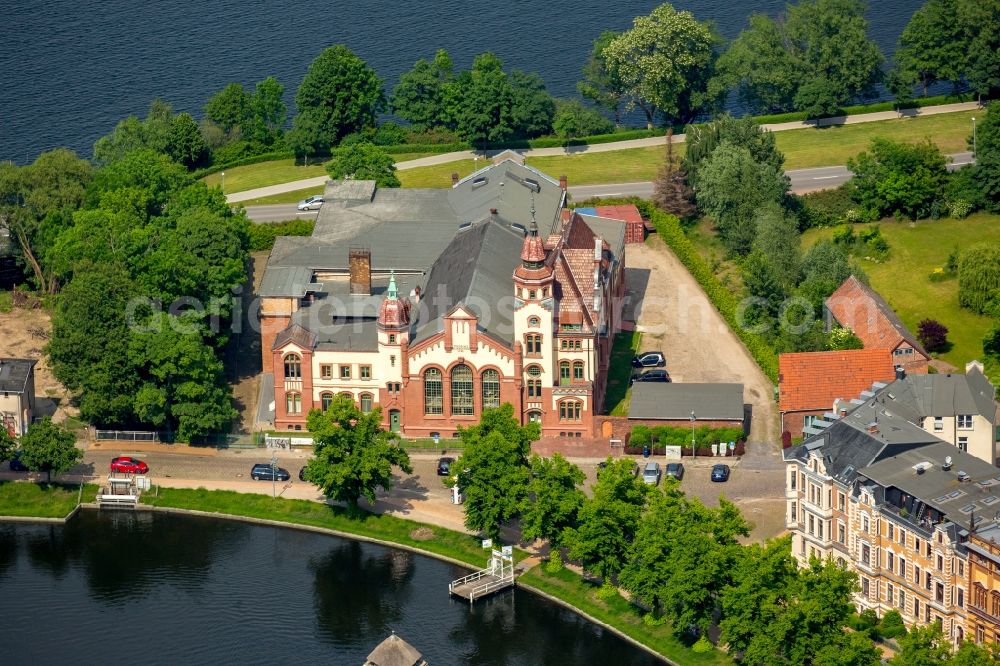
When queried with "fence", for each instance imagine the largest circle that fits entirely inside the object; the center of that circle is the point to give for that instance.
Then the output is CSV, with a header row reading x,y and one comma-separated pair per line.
x,y
128,435
218,440
286,441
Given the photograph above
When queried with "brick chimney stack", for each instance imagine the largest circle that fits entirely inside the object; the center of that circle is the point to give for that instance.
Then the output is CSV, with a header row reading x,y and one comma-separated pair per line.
x,y
563,183
360,265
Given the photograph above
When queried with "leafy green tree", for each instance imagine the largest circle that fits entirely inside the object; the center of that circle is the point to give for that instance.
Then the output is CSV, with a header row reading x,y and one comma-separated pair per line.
x,y
664,63
269,111
840,339
763,283
824,267
353,455
532,107
931,48
230,108
979,277
702,140
307,138
777,238
600,83
494,469
363,161
185,143
340,94
982,73
608,521
152,133
898,178
49,447
143,169
732,186
970,654
554,499
7,444
848,649
421,94
986,171
922,646
572,119
484,99
760,66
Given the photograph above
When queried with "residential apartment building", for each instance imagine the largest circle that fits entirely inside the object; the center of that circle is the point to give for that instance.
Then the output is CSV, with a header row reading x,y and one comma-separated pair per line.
x,y
896,503
983,619
17,394
437,304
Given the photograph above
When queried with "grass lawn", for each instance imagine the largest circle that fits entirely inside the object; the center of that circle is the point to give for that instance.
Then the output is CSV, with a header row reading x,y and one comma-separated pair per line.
x,y
294,196
618,613
253,176
40,500
916,250
626,346
458,546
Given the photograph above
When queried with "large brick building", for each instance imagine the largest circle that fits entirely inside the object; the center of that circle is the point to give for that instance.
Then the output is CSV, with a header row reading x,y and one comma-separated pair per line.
x,y
437,304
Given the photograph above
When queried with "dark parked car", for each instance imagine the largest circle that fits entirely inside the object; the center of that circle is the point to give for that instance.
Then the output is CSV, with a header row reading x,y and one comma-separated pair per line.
x,y
15,463
675,470
649,376
649,360
128,465
444,466
264,472
720,473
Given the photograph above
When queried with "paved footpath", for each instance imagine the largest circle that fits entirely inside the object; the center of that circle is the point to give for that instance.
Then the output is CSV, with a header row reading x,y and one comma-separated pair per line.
x,y
445,158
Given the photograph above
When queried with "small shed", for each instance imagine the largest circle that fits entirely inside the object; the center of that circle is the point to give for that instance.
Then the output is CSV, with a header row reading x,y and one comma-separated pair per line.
x,y
394,651
715,405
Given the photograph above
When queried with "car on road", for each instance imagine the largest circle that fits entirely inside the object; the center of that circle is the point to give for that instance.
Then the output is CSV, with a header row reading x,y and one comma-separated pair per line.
x,y
15,463
444,466
128,465
649,376
311,203
676,470
264,472
720,473
653,359
651,474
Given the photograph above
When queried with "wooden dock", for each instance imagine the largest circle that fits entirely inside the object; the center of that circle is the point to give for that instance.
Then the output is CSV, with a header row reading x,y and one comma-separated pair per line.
x,y
499,575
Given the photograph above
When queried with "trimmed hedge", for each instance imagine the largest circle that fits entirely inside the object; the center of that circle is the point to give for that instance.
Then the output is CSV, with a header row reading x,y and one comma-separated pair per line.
x,y
425,148
875,107
262,235
705,436
702,452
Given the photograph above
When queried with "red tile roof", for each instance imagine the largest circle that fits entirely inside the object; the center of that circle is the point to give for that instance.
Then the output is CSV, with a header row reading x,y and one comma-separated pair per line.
x,y
625,213
860,308
813,380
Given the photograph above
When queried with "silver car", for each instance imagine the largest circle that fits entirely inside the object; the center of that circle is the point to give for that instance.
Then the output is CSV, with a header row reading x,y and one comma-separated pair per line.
x,y
651,474
311,203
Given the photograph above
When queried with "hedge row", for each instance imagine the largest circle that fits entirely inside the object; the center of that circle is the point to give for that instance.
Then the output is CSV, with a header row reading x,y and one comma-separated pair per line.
x,y
262,235
867,108
665,435
669,229
701,452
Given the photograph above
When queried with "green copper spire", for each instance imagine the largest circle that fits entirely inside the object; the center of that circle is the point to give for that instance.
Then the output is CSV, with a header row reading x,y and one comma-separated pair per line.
x,y
392,287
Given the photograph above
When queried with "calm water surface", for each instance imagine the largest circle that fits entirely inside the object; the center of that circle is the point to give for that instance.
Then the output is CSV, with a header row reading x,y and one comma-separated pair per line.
x,y
70,69
157,589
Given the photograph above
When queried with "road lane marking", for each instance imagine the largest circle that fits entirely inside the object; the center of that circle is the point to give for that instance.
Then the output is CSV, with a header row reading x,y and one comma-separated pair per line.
x,y
827,177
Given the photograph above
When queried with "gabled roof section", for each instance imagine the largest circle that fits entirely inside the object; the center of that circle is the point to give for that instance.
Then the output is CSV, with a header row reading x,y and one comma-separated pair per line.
x,y
14,373
921,396
813,380
473,271
297,335
612,231
860,308
349,192
512,189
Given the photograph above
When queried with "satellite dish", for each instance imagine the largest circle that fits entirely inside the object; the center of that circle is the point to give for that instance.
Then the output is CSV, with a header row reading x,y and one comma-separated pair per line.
x,y
947,460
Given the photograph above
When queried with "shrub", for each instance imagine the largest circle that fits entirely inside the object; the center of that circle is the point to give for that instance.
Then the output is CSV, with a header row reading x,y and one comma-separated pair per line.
x,y
432,136
979,277
262,235
555,563
825,208
933,335
607,591
939,274
959,209
574,119
843,338
702,645
892,625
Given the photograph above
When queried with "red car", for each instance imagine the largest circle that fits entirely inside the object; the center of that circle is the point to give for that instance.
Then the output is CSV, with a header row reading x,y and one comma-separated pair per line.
x,y
128,465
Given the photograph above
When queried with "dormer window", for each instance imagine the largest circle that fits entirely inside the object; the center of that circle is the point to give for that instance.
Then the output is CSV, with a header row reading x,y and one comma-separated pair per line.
x,y
392,338
532,295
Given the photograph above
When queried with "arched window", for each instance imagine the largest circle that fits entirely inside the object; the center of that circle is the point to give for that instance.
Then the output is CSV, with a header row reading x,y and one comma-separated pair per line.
x,y
534,322
569,410
534,344
577,371
293,366
347,395
462,391
491,389
534,417
293,402
534,373
433,393
325,399
366,402
564,372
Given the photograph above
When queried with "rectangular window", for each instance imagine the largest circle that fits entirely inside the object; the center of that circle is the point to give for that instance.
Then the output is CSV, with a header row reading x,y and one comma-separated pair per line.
x,y
965,421
916,574
864,587
889,529
938,424
326,371
792,480
841,502
365,371
791,511
345,372
366,403
890,563
902,568
939,593
812,524
578,371
960,597
963,444
865,527
841,533
961,569
940,563
927,580
866,554
890,594
902,536
916,608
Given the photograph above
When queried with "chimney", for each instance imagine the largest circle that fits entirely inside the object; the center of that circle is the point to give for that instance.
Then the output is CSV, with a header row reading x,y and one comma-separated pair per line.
x,y
900,373
416,294
454,178
563,183
360,265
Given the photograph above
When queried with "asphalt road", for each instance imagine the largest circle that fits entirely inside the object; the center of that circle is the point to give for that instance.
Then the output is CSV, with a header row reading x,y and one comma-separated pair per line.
x,y
803,180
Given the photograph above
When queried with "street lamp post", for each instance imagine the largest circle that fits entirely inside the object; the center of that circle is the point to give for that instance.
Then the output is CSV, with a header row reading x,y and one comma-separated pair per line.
x,y
974,137
223,182
693,454
274,473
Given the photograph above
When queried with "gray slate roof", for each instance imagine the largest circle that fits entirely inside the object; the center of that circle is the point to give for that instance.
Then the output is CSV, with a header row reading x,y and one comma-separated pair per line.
x,y
510,188
14,374
920,396
613,231
673,401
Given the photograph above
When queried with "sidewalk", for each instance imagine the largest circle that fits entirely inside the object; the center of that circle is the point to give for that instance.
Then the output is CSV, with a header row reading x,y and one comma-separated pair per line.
x,y
445,158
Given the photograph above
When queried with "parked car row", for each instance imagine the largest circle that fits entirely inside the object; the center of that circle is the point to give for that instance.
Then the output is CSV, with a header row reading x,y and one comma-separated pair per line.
x,y
651,472
646,360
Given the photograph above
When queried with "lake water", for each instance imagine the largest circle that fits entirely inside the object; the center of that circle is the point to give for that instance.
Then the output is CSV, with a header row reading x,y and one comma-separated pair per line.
x,y
69,70
125,587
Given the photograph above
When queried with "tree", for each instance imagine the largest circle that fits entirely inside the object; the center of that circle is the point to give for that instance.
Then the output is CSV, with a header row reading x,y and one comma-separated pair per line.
x,y
898,178
7,444
702,140
600,83
532,107
932,47
777,239
268,107
49,447
185,143
979,277
143,169
671,191
815,57
494,469
731,187
340,93
229,108
483,102
970,654
609,520
306,138
421,94
825,266
554,499
763,283
933,335
922,646
353,455
572,119
986,171
841,339
664,63
363,161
